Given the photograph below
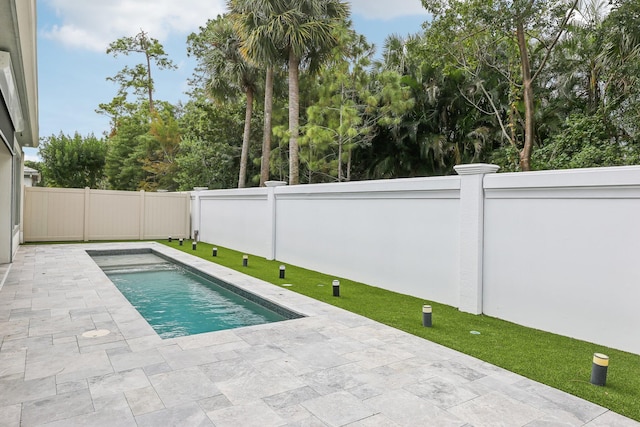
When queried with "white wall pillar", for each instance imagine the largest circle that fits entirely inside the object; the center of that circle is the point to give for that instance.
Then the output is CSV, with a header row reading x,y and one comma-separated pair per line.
x,y
471,234
196,213
271,222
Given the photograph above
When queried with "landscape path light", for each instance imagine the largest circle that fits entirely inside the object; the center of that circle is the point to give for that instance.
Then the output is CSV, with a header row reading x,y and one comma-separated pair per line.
x,y
599,369
426,316
336,288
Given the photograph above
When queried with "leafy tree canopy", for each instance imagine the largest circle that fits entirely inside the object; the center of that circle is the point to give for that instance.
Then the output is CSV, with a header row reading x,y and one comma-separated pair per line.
x,y
73,161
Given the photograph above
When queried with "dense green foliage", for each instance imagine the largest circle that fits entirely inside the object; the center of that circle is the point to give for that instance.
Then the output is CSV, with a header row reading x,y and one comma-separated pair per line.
x,y
561,362
124,170
583,142
73,161
211,145
288,90
228,74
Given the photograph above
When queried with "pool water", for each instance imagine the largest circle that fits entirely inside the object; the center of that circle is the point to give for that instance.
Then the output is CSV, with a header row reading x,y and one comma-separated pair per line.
x,y
177,302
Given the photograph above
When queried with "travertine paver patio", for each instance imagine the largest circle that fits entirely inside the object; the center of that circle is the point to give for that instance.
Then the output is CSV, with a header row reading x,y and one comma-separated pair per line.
x,y
332,368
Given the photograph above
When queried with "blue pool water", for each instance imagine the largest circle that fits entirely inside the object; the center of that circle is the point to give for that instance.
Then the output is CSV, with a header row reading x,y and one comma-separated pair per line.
x,y
177,302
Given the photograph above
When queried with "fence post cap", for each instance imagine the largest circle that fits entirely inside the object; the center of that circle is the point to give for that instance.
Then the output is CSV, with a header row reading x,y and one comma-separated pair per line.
x,y
476,169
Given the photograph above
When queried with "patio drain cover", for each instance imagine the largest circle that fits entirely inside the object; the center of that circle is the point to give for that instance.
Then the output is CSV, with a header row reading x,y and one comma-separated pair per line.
x,y
96,333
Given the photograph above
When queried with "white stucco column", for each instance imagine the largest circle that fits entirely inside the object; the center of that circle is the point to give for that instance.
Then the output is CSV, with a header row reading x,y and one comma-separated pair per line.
x,y
196,213
271,221
471,234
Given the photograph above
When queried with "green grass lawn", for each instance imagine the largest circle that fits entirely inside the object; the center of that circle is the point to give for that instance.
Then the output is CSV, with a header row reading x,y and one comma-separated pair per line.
x,y
560,362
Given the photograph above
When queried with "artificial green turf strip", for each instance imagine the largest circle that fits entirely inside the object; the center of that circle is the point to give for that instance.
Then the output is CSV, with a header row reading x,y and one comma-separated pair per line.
x,y
560,362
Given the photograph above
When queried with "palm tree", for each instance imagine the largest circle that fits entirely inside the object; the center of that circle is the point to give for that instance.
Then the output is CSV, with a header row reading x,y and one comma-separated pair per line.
x,y
304,29
307,31
251,22
228,73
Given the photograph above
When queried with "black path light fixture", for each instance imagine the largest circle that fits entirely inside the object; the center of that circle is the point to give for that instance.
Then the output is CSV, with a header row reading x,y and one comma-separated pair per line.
x,y
426,316
599,369
336,288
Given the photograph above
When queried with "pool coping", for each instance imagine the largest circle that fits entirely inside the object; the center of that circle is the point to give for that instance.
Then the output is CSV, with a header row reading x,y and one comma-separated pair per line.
x,y
286,312
279,296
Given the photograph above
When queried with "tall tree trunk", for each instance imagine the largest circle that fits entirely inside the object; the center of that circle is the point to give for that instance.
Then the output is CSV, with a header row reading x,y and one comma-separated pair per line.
x,y
594,95
340,140
242,178
529,109
150,88
266,141
294,118
144,44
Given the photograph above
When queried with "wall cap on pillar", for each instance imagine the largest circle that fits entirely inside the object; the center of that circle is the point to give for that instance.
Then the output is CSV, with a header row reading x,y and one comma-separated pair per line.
x,y
200,188
476,169
274,183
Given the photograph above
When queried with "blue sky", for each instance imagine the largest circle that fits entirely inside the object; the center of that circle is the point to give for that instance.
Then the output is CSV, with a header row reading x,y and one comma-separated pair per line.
x,y
73,36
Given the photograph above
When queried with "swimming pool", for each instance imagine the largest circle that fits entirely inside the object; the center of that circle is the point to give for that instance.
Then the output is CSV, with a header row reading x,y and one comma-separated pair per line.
x,y
178,300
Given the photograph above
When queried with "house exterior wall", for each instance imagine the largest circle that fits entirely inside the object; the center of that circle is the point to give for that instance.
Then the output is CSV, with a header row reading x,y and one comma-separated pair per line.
x,y
6,189
31,177
18,44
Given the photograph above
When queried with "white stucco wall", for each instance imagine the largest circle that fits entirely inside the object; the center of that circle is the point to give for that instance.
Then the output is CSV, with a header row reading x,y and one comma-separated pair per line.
x,y
397,234
237,219
561,253
554,250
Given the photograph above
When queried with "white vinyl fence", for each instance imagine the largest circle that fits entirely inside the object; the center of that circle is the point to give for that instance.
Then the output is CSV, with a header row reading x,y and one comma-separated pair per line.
x,y
554,250
59,214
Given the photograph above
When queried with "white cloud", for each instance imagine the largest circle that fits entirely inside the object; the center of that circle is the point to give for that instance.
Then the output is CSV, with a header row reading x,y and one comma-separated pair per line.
x,y
31,154
94,24
386,9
